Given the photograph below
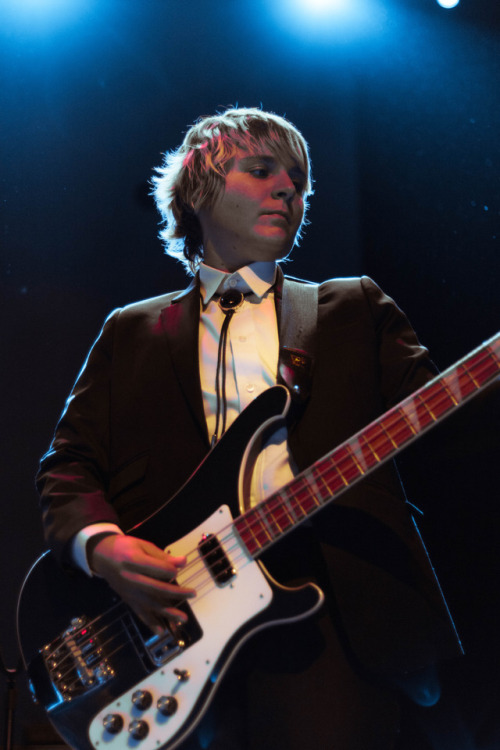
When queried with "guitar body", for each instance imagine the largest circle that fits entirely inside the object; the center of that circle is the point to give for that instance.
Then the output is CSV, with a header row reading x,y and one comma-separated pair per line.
x,y
103,678
88,657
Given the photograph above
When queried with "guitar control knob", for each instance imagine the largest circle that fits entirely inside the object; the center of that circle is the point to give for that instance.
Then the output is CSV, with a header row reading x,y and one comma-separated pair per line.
x,y
167,705
142,699
113,723
138,729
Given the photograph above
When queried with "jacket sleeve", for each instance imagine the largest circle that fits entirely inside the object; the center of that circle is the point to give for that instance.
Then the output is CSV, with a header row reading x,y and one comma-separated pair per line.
x,y
404,364
391,601
379,576
73,478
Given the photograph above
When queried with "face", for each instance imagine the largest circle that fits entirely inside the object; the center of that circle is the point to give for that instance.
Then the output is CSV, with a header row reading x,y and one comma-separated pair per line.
x,y
257,215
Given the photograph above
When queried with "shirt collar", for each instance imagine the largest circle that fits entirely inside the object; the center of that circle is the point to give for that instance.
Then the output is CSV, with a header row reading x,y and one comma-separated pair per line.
x,y
257,278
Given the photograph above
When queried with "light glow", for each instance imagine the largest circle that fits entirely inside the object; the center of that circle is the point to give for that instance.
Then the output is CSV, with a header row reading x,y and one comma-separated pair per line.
x,y
448,3
339,21
42,15
325,6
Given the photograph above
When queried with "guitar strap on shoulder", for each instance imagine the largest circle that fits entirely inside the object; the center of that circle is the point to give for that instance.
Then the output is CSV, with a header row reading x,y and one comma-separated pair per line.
x,y
298,322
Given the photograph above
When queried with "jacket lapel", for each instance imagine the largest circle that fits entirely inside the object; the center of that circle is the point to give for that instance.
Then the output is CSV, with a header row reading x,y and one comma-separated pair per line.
x,y
180,322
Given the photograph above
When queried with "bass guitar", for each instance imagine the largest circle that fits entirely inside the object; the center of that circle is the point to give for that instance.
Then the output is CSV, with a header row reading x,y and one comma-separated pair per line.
x,y
105,681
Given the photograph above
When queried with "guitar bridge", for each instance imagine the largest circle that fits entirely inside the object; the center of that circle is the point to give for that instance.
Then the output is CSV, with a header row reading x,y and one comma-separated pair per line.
x,y
75,660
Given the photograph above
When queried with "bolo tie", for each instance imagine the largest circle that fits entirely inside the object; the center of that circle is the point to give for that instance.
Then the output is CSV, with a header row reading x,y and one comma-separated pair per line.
x,y
228,302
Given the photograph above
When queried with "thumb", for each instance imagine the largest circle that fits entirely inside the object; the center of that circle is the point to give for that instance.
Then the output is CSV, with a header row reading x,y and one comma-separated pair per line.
x,y
152,550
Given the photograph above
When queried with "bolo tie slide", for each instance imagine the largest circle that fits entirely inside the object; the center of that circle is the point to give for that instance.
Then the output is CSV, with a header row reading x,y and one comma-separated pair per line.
x,y
228,302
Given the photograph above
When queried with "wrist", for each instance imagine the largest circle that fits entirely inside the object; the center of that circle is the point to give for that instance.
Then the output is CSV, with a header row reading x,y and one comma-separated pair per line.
x,y
92,544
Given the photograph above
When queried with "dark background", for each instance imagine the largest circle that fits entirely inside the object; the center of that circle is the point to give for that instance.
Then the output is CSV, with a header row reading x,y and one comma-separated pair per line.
x,y
400,102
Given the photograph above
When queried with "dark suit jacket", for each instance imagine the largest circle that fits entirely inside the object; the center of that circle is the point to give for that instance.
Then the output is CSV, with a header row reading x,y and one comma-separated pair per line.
x,y
134,429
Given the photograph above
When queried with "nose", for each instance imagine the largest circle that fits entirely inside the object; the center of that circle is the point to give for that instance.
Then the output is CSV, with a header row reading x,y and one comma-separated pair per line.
x,y
284,189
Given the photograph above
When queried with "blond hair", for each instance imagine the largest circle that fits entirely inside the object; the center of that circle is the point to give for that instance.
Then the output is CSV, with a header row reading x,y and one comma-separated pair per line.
x,y
192,176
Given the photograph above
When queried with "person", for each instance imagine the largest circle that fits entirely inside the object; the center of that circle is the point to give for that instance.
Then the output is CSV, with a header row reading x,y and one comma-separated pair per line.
x,y
166,379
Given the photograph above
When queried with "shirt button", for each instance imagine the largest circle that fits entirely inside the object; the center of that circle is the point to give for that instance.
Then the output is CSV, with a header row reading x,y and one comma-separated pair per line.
x,y
233,282
250,388
242,338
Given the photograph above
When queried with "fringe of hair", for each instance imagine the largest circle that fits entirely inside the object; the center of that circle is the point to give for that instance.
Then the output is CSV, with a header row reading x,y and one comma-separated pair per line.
x,y
193,175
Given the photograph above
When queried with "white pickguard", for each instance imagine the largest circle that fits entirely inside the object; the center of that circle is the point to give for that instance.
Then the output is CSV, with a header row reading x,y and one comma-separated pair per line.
x,y
220,611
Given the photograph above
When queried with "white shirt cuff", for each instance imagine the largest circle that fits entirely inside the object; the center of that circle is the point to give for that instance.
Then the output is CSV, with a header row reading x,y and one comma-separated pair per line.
x,y
79,543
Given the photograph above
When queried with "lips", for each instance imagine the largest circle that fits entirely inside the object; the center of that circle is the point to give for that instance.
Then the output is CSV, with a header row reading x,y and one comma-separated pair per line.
x,y
279,214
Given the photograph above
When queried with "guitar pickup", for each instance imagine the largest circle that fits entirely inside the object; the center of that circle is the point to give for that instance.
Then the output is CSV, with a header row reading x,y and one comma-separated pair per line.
x,y
215,559
160,649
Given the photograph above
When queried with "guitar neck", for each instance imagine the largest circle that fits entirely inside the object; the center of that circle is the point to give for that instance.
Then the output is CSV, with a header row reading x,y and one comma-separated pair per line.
x,y
325,480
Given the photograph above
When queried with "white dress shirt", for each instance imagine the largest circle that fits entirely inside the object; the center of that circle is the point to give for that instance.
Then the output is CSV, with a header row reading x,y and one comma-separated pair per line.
x,y
251,361
251,367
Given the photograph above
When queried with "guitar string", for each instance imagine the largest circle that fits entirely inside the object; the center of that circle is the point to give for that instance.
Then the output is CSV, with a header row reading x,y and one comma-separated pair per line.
x,y
92,635
199,558
285,501
202,591
78,634
395,417
118,621
275,521
394,414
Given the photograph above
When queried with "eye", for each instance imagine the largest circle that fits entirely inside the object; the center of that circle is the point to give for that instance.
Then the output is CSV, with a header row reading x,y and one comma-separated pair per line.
x,y
259,172
298,179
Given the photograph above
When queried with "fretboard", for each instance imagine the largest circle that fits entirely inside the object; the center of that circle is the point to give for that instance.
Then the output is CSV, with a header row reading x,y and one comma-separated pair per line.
x,y
381,440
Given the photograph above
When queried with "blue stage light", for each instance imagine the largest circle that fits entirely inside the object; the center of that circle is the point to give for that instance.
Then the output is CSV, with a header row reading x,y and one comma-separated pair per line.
x,y
329,20
41,15
448,3
325,6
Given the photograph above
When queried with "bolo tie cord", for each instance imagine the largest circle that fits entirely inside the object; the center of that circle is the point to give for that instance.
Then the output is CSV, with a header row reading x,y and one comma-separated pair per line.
x,y
228,303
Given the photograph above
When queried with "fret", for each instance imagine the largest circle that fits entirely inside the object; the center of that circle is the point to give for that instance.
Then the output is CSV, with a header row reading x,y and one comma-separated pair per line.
x,y
275,515
408,428
327,486
310,491
471,376
305,499
337,458
288,505
262,523
410,414
451,383
355,447
253,530
438,399
318,484
388,434
354,458
451,395
379,446
426,404
371,457
490,364
251,543
493,360
467,382
426,416
346,464
317,489
475,365
332,478
383,438
297,509
368,446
